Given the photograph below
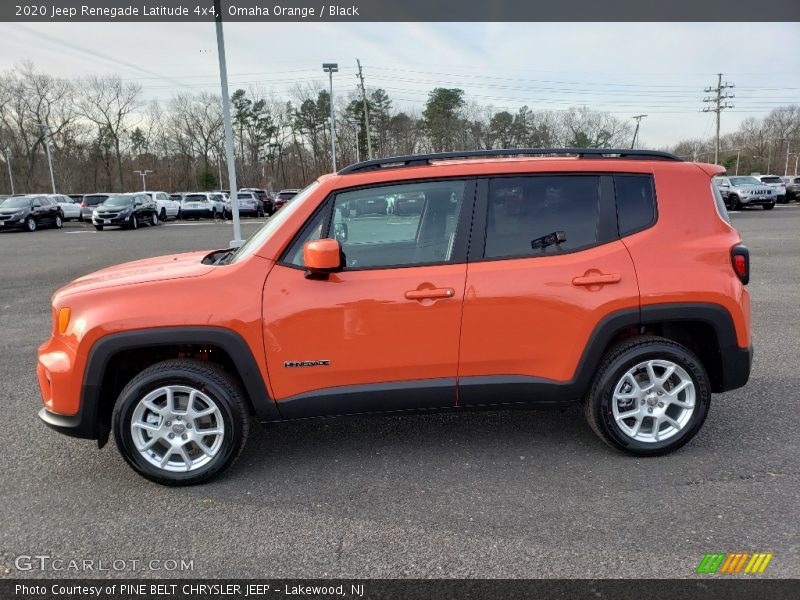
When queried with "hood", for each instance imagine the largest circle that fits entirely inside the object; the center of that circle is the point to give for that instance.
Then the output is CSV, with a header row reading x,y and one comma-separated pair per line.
x,y
11,211
162,268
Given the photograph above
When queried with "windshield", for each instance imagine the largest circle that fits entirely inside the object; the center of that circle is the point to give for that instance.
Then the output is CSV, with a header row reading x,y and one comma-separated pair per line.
x,y
195,198
119,201
94,200
745,181
772,180
16,202
260,236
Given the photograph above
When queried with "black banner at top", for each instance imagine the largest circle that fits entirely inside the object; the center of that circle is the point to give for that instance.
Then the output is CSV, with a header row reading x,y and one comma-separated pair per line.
x,y
39,11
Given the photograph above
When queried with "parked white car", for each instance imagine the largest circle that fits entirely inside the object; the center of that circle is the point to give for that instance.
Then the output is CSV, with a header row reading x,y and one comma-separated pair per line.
x,y
202,204
776,183
70,208
166,206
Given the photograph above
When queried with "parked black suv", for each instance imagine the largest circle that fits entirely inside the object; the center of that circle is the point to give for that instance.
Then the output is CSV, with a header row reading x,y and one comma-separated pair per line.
x,y
30,212
125,210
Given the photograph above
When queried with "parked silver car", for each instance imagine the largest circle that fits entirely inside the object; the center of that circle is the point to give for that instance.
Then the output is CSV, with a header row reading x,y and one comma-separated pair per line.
x,y
793,188
745,190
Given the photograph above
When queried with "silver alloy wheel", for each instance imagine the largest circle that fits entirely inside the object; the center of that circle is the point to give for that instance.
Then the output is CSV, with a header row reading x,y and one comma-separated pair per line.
x,y
59,222
653,401
177,428
30,223
154,219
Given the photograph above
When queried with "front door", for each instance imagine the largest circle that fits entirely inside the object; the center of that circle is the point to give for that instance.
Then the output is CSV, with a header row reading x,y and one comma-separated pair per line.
x,y
383,333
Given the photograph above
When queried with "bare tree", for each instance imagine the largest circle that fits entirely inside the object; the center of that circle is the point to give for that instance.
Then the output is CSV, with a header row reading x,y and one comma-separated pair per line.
x,y
109,103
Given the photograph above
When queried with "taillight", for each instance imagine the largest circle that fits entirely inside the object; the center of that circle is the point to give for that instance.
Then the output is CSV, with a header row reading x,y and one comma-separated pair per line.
x,y
740,258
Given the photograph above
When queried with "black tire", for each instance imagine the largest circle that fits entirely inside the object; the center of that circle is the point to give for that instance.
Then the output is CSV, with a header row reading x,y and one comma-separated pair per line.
x,y
98,227
769,206
620,358
163,215
215,383
179,216
133,222
31,224
58,222
154,219
733,200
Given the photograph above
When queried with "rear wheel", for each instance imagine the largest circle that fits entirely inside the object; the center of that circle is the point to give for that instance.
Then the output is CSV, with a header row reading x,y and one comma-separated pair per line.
x,y
649,397
133,222
58,223
180,422
154,219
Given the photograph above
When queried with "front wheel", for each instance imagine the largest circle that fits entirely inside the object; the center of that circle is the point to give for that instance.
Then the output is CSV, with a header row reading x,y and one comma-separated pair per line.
x,y
30,224
163,215
735,203
769,206
98,227
180,422
649,396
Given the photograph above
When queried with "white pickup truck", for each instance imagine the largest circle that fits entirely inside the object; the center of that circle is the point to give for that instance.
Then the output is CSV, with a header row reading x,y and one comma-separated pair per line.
x,y
167,208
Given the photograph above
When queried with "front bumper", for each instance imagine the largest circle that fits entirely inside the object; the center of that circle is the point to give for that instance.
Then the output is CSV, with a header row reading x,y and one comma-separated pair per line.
x,y
757,201
118,220
12,223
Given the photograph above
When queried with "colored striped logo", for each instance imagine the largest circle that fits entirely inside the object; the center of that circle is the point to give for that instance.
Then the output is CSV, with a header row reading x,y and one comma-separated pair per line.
x,y
734,562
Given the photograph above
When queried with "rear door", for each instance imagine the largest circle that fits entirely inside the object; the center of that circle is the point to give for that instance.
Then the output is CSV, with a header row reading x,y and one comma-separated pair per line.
x,y
383,333
546,266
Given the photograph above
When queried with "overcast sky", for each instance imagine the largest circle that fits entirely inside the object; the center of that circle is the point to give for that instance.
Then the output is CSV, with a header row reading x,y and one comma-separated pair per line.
x,y
659,69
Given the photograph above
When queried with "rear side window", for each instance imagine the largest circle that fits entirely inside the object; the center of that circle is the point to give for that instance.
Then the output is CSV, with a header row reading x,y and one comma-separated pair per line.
x,y
542,215
721,208
636,204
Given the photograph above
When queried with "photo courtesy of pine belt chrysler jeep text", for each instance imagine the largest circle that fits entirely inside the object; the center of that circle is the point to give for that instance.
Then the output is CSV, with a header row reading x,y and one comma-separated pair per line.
x,y
516,278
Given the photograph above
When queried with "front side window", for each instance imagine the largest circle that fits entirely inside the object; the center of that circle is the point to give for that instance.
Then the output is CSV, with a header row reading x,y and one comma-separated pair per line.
x,y
389,226
542,215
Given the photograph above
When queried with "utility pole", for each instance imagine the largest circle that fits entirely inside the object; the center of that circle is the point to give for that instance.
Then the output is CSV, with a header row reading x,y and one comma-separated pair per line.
x,y
143,175
638,119
47,134
357,126
11,175
718,104
330,69
237,240
366,111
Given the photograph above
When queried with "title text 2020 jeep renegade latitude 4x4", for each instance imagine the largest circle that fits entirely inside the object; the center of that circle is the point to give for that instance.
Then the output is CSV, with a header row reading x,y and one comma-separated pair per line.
x,y
547,277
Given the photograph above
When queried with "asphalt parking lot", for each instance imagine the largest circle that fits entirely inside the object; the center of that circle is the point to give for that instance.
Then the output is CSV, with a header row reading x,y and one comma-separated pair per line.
x,y
497,494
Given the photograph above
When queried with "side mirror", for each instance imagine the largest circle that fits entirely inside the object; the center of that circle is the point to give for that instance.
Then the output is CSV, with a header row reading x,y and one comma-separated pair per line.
x,y
322,257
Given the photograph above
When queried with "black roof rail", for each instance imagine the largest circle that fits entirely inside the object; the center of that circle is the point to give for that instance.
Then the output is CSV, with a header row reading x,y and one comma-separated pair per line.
x,y
414,160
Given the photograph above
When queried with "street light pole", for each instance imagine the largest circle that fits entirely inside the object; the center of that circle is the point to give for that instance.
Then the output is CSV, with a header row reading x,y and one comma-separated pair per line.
x,y
738,152
226,118
11,175
330,69
46,131
786,167
143,175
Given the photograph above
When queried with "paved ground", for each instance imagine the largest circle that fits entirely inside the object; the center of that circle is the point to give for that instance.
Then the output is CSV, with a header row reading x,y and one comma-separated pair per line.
x,y
517,494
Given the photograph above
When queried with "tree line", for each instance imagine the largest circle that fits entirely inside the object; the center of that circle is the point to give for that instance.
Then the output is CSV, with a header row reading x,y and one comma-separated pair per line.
x,y
101,130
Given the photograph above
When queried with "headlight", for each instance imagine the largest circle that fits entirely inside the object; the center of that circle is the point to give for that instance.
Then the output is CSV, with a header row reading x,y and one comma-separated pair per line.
x,y
18,214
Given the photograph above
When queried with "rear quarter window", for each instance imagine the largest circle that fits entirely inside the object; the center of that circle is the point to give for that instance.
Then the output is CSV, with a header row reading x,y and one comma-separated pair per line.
x,y
721,208
636,203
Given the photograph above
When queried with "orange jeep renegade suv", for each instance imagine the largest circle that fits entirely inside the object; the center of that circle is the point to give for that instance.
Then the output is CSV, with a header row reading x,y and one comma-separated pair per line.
x,y
525,278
